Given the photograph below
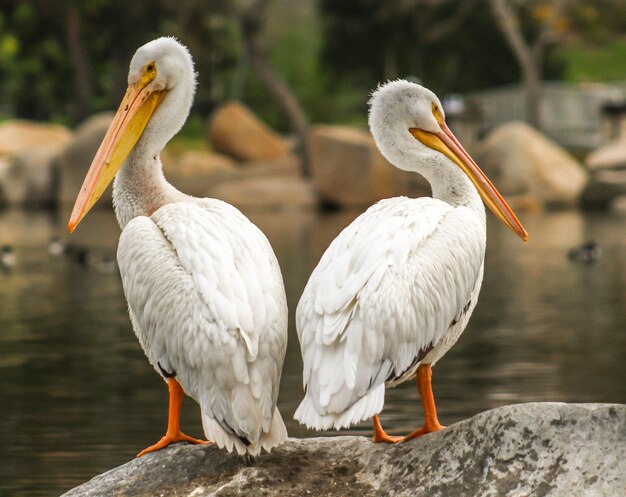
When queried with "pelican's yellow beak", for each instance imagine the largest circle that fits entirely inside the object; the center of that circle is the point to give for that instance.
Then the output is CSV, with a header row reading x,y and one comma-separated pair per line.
x,y
130,120
446,143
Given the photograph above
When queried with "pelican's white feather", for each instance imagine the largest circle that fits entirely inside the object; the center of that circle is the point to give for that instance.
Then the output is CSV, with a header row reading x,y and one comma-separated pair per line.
x,y
387,288
396,288
207,302
204,289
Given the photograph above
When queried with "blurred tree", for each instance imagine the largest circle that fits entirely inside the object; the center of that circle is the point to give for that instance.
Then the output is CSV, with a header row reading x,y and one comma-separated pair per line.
x,y
546,25
83,77
63,59
595,21
252,21
32,57
449,46
533,27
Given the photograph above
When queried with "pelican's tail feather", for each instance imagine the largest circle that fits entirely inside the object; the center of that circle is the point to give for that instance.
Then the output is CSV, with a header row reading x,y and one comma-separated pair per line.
x,y
362,409
276,435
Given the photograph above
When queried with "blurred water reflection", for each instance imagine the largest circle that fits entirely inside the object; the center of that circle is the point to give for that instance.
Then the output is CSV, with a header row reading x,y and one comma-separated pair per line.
x,y
78,396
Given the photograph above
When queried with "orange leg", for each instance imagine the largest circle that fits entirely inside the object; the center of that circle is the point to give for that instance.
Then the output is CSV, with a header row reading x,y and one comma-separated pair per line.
x,y
380,435
173,433
431,423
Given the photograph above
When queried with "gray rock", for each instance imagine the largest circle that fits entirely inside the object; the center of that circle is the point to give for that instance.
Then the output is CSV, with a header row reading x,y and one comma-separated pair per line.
x,y
540,449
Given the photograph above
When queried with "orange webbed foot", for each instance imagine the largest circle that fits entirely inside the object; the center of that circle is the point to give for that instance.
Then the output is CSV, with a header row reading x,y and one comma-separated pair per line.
x,y
424,430
170,439
390,439
381,436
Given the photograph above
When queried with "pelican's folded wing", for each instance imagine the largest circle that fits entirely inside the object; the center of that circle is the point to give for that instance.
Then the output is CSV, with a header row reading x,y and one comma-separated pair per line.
x,y
207,301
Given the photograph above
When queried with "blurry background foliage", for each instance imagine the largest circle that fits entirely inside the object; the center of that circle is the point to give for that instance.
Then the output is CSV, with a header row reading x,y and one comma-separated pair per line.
x,y
63,60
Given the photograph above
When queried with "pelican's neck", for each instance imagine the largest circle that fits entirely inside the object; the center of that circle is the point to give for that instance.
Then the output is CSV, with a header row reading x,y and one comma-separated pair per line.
x,y
140,187
447,181
450,184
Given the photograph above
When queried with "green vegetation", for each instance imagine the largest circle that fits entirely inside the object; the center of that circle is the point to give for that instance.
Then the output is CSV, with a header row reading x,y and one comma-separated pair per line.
x,y
585,62
63,61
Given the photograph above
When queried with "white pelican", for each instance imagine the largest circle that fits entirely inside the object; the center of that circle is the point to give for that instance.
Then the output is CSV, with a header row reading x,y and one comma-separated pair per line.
x,y
204,289
395,290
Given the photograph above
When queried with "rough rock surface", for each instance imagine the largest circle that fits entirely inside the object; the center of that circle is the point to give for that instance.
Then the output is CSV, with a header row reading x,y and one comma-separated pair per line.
x,y
236,132
541,449
76,159
521,161
348,170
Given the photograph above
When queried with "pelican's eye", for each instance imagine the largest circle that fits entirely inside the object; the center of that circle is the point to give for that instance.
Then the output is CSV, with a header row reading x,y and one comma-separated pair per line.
x,y
437,113
148,74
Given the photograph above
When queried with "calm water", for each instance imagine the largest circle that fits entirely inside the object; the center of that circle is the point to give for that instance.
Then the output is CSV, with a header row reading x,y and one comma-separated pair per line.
x,y
78,397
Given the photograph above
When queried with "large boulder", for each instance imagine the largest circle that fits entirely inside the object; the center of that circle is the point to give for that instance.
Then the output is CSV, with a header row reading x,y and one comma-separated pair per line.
x,y
289,165
238,133
18,136
607,181
541,449
76,159
258,184
610,156
27,155
521,161
266,193
348,170
196,170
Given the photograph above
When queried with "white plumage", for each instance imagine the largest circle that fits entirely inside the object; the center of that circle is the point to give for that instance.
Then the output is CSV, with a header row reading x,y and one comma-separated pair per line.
x,y
396,288
387,288
204,288
206,300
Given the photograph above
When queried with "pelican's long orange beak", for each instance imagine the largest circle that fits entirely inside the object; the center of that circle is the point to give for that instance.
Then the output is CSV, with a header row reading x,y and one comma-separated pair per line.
x,y
446,143
130,120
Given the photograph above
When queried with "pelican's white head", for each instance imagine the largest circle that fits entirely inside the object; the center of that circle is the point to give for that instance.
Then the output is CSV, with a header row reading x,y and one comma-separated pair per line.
x,y
409,127
161,86
170,61
395,108
165,65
